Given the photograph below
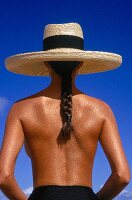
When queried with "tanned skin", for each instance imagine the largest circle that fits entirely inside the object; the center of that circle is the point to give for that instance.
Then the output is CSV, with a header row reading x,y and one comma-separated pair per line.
x,y
35,122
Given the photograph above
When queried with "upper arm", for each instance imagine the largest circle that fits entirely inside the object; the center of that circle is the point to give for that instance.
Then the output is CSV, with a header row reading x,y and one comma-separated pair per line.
x,y
12,142
111,143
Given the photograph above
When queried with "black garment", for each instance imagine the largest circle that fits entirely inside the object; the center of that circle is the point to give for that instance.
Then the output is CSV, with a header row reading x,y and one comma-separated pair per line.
x,y
58,192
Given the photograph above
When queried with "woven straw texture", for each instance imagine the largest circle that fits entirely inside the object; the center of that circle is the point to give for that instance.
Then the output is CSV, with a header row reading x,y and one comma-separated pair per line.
x,y
34,63
63,29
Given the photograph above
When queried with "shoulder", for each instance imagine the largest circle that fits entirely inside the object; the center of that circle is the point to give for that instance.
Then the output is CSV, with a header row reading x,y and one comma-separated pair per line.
x,y
94,100
21,106
102,105
105,112
14,111
104,108
28,104
99,106
26,101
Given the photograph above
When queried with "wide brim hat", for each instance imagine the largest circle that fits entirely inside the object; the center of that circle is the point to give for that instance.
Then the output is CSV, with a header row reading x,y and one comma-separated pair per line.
x,y
62,42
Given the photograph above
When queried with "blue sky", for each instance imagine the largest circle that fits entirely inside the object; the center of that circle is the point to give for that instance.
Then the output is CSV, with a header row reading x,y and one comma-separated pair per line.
x,y
107,27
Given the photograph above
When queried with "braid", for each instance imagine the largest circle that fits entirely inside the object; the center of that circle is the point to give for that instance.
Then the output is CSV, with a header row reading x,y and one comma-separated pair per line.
x,y
66,105
64,70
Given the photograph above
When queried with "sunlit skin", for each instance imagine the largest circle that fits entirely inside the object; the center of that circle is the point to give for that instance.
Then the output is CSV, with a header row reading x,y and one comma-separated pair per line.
x,y
35,121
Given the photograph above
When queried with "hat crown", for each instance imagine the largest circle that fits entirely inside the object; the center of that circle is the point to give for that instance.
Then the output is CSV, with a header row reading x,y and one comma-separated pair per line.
x,y
73,29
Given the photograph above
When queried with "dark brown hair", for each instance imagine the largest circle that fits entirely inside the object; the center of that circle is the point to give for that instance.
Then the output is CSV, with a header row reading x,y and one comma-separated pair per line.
x,y
64,70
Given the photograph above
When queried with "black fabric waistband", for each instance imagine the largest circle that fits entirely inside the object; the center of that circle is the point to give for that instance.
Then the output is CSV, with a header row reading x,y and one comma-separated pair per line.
x,y
60,192
63,41
62,187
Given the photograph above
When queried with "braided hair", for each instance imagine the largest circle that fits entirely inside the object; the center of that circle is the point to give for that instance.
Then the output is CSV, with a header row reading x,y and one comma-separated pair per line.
x,y
64,69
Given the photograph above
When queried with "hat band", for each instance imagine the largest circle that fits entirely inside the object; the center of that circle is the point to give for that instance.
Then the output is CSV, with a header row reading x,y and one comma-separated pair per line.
x,y
63,41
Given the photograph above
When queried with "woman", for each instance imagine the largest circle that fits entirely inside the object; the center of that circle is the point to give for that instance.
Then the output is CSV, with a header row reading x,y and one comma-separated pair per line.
x,y
60,125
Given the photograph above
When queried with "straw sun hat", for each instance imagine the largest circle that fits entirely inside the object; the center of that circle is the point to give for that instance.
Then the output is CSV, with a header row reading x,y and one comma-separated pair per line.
x,y
62,42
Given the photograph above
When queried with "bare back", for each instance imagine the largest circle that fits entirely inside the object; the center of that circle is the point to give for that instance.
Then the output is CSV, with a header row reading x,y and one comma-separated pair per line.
x,y
73,163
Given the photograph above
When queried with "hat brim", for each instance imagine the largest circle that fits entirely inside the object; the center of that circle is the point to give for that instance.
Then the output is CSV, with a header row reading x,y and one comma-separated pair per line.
x,y
34,63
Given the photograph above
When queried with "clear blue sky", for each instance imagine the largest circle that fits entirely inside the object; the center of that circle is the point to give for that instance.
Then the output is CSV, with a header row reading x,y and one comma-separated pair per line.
x,y
107,26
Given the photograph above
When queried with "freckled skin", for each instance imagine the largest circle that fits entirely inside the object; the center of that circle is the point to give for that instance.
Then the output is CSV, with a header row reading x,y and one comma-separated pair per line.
x,y
35,121
93,121
72,164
